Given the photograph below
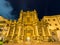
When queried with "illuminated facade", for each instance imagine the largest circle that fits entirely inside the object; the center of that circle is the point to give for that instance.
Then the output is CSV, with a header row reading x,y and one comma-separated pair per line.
x,y
29,28
51,25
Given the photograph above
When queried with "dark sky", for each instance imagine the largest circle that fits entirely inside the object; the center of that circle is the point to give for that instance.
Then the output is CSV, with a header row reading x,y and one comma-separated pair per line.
x,y
43,7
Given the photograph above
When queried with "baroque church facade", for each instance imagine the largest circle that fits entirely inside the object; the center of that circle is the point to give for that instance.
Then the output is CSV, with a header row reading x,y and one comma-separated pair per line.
x,y
29,28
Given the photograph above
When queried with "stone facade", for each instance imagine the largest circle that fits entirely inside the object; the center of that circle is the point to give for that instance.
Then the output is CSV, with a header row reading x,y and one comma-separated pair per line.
x,y
29,28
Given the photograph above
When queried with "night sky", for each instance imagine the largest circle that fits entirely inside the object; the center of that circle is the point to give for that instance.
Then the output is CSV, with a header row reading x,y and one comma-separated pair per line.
x,y
43,7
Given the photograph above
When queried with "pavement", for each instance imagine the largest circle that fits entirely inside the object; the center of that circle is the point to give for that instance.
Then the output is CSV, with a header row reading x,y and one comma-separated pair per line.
x,y
34,43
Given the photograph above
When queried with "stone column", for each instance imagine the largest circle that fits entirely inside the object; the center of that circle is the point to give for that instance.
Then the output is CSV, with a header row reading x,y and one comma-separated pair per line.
x,y
36,30
43,31
49,33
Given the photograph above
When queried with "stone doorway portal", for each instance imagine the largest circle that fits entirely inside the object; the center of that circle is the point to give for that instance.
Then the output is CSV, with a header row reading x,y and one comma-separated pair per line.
x,y
28,35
